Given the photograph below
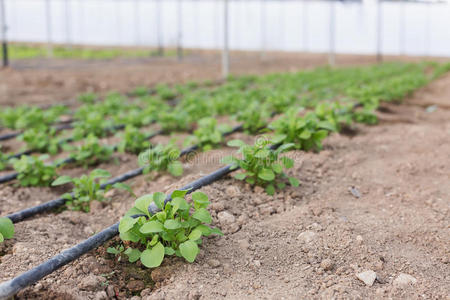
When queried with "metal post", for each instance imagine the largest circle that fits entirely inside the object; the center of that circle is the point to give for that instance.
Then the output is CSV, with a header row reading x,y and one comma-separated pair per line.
x,y
3,32
331,52
118,35
180,30
159,28
137,22
67,24
305,24
225,53
263,29
48,23
427,29
378,33
402,28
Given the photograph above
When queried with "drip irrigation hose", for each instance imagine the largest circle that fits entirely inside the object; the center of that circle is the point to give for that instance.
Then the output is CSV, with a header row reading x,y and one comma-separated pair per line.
x,y
11,287
15,134
31,211
12,176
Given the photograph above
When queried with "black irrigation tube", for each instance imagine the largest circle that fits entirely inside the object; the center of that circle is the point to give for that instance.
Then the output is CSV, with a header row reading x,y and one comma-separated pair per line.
x,y
13,286
12,176
52,204
8,136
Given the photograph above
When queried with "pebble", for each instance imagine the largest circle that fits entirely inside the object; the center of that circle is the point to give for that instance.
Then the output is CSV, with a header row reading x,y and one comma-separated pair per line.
x,y
244,244
225,217
160,274
101,296
232,191
110,291
307,236
88,230
326,264
368,277
214,263
135,285
404,279
258,190
194,295
91,282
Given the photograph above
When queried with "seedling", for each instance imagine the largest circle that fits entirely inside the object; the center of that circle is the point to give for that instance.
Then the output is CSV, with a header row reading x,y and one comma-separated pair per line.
x,y
87,98
172,231
132,140
261,165
306,133
32,171
254,117
87,188
161,158
91,152
208,135
174,121
42,139
6,229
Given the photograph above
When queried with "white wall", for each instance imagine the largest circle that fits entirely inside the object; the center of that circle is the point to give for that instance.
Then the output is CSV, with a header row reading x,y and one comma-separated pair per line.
x,y
423,29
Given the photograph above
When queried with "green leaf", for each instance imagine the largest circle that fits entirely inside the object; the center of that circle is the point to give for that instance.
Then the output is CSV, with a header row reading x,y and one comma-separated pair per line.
x,y
202,215
133,211
112,250
151,227
294,181
62,180
6,228
178,193
142,203
236,143
200,200
189,250
152,258
100,173
266,174
123,186
288,163
216,231
262,153
133,254
270,189
320,135
129,236
278,138
240,176
126,223
181,202
206,231
195,234
277,168
169,251
306,134
326,125
175,168
159,198
172,224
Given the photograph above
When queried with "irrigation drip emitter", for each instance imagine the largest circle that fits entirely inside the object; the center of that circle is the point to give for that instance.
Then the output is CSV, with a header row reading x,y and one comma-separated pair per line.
x,y
50,205
13,286
12,176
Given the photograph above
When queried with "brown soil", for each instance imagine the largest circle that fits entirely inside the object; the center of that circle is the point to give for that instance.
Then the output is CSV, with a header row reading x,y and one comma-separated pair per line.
x,y
306,242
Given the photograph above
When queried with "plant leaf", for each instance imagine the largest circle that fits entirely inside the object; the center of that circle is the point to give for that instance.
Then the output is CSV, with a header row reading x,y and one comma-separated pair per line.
x,y
195,234
62,180
6,228
202,215
266,174
294,181
152,258
189,250
172,224
151,227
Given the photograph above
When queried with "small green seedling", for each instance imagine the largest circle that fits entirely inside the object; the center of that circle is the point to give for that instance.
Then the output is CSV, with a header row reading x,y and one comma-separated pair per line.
x,y
6,229
261,165
133,141
32,171
42,139
91,152
255,117
208,135
87,188
306,132
87,98
172,231
161,158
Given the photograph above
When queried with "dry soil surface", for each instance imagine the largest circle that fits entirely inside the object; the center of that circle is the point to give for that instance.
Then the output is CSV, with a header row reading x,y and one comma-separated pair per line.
x,y
371,219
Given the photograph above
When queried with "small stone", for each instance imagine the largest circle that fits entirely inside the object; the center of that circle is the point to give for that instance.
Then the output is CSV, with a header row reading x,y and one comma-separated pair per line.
x,y
214,263
135,298
244,244
194,295
110,291
326,264
259,190
226,218
88,230
217,206
146,292
368,277
307,236
101,296
404,280
232,191
359,239
160,274
135,285
91,282
257,263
